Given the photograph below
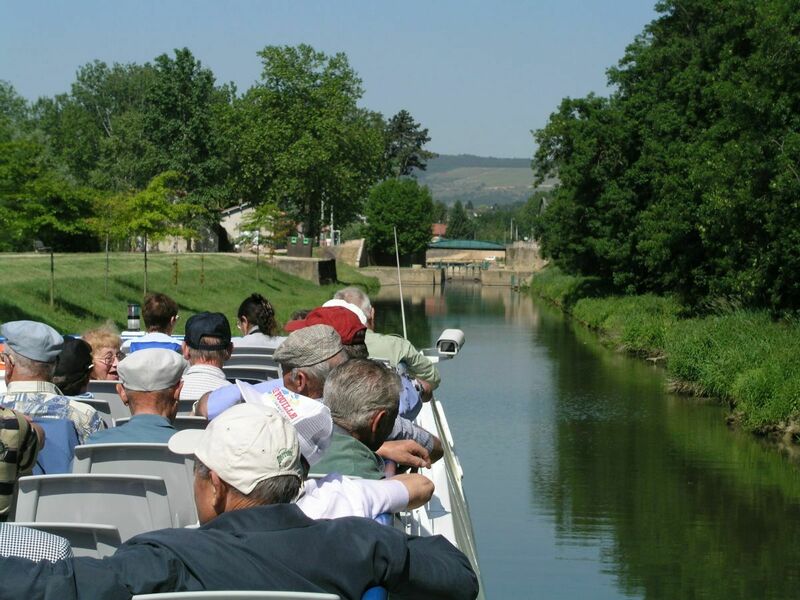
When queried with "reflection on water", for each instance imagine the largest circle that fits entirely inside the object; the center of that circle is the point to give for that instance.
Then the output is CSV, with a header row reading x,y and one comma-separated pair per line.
x,y
585,479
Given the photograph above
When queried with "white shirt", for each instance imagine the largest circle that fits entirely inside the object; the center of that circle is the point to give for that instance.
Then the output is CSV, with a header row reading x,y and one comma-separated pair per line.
x,y
199,379
336,496
256,339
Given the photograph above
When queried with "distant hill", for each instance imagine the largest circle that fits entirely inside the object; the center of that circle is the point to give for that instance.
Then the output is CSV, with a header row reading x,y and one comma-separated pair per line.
x,y
482,180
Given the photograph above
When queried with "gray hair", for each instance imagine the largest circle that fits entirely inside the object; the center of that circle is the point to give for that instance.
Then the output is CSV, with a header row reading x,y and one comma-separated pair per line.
x,y
282,489
356,296
356,350
32,368
209,355
358,388
140,400
318,373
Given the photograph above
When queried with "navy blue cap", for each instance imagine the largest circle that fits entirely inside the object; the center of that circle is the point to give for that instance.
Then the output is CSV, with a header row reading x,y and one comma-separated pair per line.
x,y
207,324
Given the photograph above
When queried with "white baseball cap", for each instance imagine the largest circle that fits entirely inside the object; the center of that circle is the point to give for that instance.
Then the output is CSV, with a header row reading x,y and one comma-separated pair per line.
x,y
311,418
245,445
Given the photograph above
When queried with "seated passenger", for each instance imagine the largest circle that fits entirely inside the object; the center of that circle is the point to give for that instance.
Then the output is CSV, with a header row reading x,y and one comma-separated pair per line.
x,y
362,397
350,329
160,315
74,367
335,495
105,343
21,441
32,349
393,348
305,358
248,474
206,345
150,384
256,321
350,323
32,544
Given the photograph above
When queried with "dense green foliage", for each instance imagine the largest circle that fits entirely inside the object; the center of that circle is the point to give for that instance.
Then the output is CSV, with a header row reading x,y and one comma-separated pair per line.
x,y
302,142
400,203
496,223
201,282
459,224
740,356
293,145
685,180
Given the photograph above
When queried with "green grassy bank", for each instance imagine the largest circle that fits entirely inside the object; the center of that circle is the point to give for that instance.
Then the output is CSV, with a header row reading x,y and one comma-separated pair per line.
x,y
740,357
84,299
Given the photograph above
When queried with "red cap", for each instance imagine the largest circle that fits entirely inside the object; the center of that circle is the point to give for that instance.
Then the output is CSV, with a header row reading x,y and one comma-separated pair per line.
x,y
346,323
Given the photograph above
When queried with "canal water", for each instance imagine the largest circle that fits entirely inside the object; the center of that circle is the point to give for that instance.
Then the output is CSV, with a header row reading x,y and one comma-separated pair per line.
x,y
585,479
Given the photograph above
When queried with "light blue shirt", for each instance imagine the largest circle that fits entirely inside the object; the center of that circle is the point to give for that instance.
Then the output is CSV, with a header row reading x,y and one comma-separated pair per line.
x,y
223,398
141,429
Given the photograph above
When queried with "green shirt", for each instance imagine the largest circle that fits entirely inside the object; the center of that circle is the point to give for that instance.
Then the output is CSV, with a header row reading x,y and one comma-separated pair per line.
x,y
396,349
347,456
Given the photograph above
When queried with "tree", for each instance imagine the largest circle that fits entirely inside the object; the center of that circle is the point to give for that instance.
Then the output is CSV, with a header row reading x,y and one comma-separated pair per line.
x,y
404,145
156,212
439,212
400,203
89,129
106,222
685,179
301,139
459,226
38,202
13,112
178,124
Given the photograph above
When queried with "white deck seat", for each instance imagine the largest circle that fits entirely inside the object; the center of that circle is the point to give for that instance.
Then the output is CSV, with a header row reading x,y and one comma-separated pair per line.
x,y
132,503
180,423
261,373
102,406
86,539
107,390
258,350
185,408
145,459
237,595
251,360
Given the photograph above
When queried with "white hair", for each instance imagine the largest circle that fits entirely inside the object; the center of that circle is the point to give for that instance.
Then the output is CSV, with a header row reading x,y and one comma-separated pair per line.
x,y
355,296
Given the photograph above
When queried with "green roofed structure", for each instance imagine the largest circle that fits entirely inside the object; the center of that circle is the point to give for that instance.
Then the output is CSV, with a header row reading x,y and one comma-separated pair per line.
x,y
466,245
464,252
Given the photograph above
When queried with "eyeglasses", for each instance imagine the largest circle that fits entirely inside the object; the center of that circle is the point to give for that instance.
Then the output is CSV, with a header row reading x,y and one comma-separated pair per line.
x,y
5,357
108,359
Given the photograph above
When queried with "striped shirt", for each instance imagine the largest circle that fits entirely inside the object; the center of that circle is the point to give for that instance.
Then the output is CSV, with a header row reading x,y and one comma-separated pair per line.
x,y
199,379
18,448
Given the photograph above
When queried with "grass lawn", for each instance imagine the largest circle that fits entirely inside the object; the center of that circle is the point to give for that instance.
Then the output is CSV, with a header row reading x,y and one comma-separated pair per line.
x,y
214,282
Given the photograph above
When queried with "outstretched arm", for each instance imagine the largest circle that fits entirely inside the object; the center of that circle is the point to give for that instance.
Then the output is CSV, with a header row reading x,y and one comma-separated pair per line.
x,y
420,488
405,452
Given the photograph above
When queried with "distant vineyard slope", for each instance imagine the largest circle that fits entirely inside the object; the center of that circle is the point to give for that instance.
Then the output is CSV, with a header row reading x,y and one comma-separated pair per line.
x,y
482,180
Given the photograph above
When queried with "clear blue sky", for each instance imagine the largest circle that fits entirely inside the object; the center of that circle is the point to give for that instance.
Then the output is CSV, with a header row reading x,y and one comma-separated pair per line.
x,y
479,75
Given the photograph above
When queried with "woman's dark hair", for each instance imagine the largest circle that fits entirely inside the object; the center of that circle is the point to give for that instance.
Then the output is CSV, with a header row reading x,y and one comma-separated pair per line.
x,y
259,312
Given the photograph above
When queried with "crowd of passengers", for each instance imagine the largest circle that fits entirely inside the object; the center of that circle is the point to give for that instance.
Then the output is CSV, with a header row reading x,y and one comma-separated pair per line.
x,y
342,407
